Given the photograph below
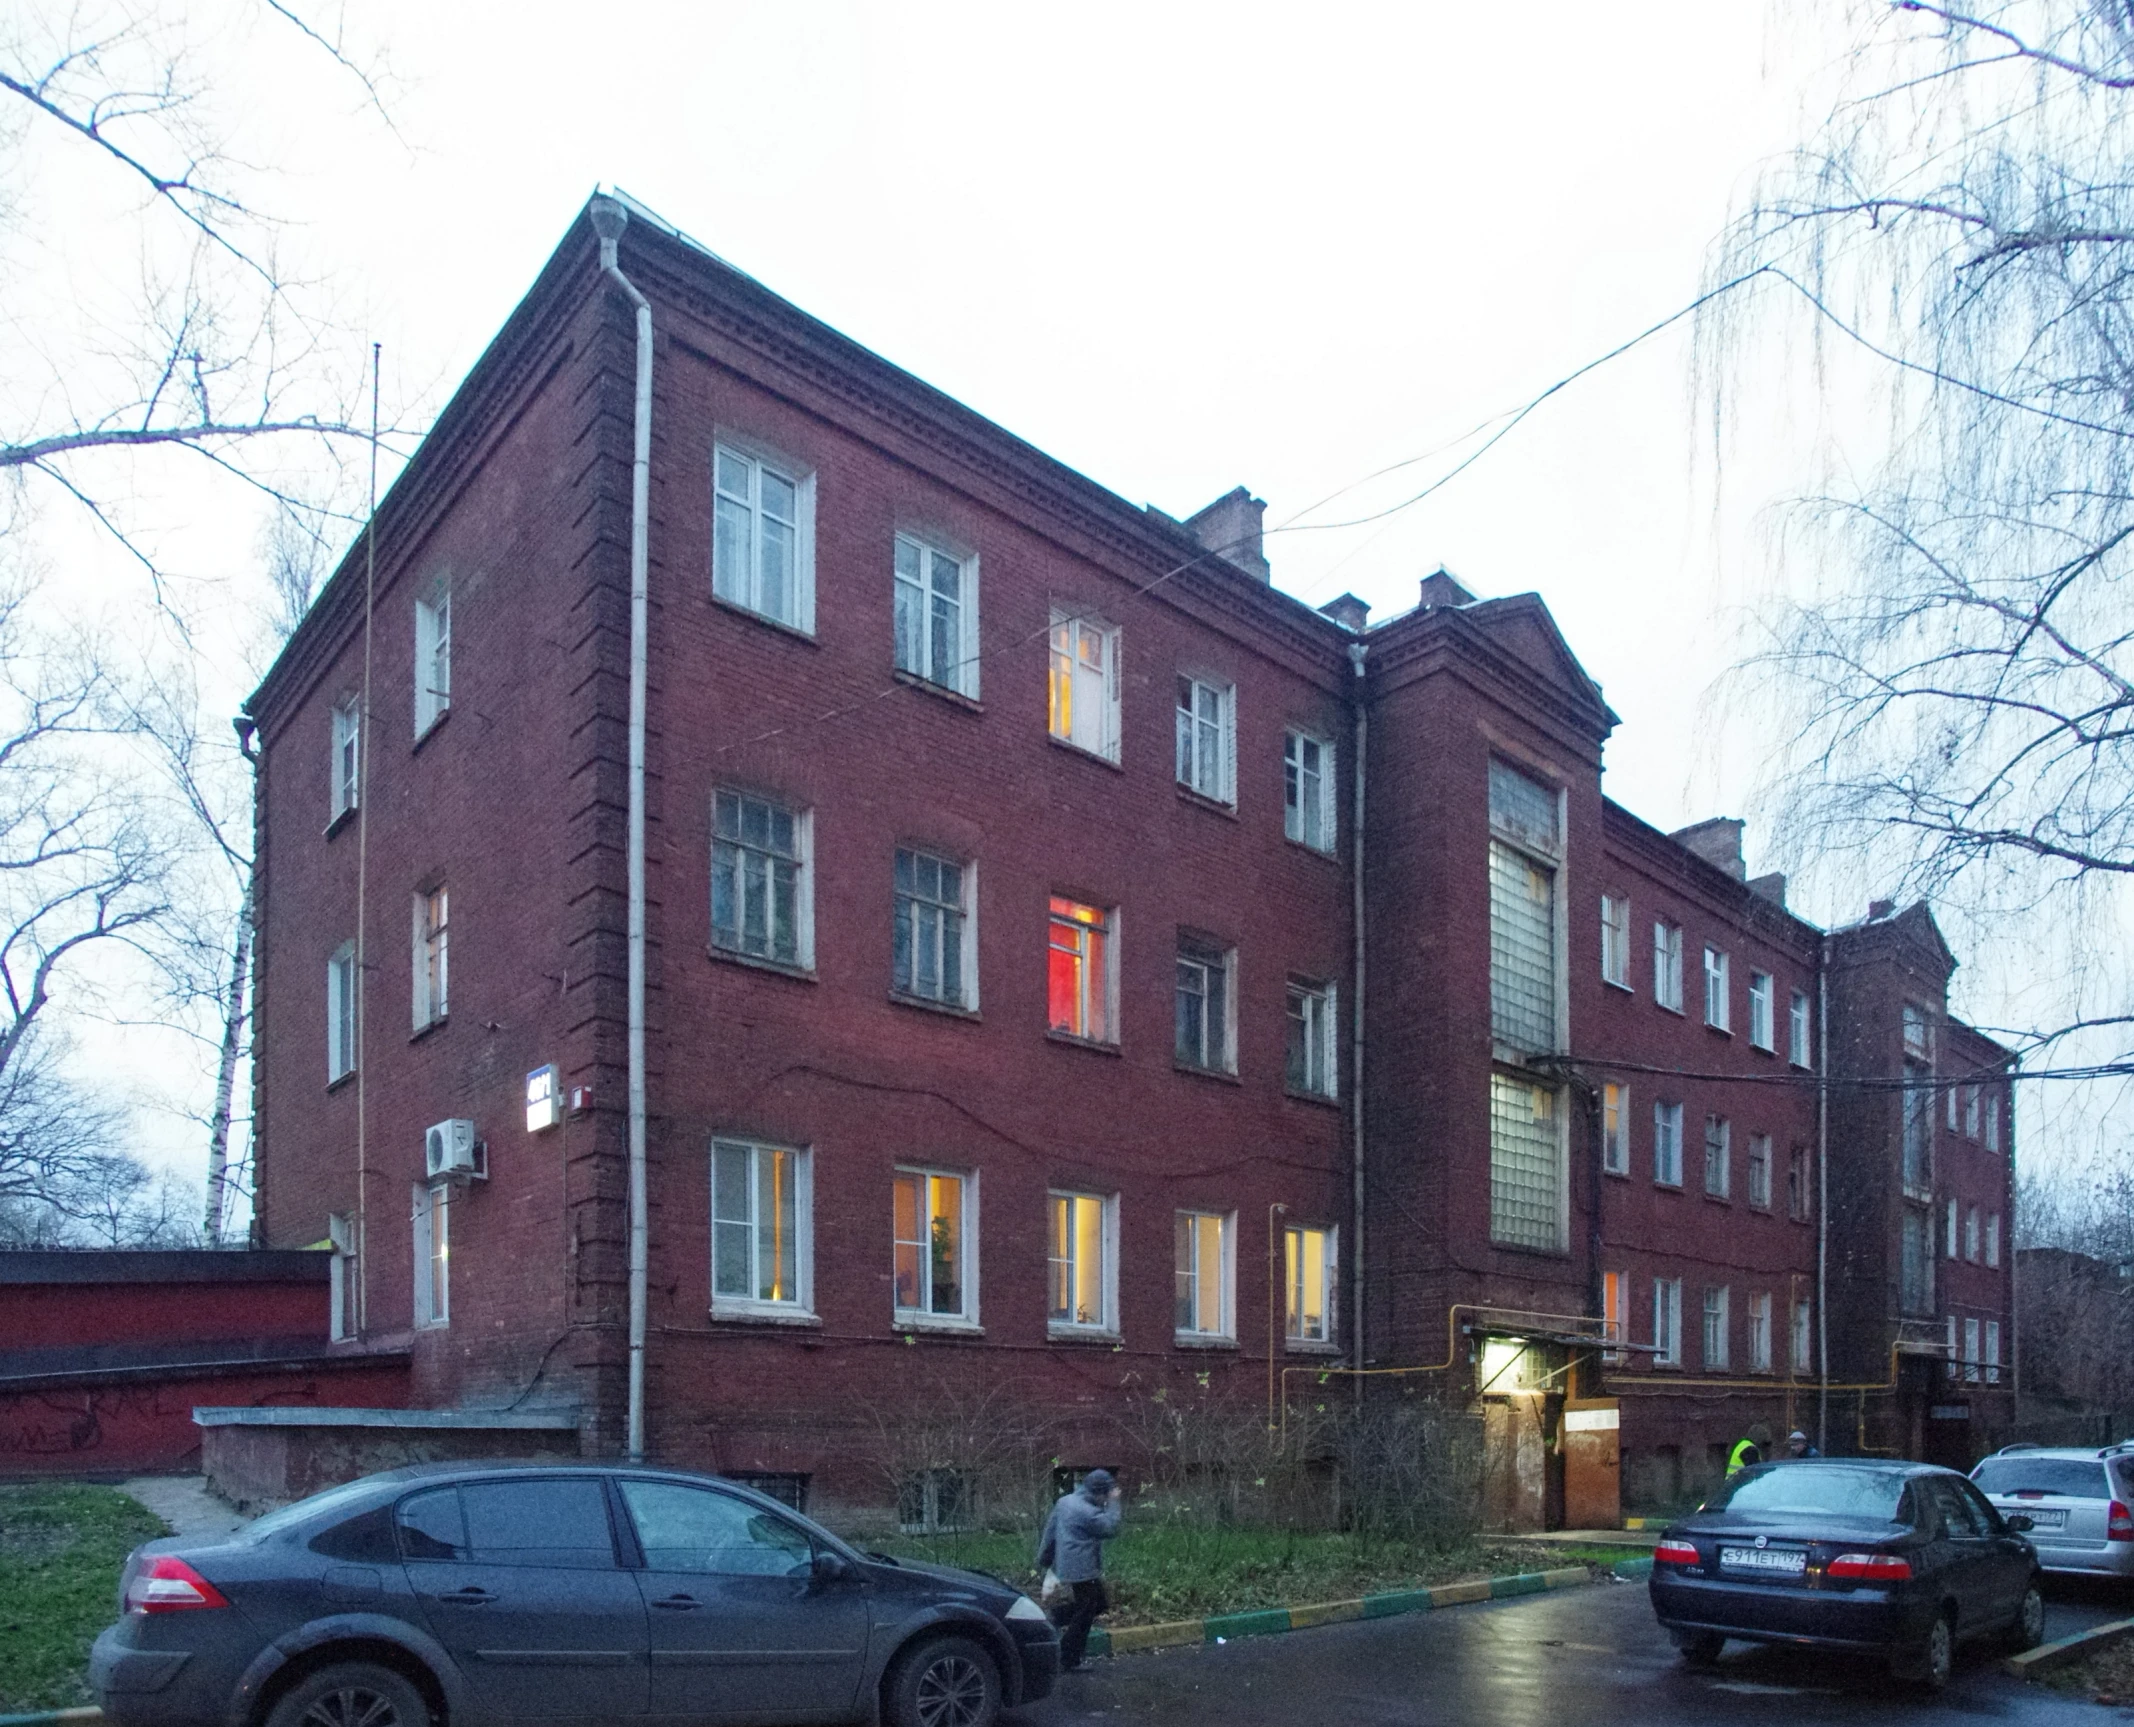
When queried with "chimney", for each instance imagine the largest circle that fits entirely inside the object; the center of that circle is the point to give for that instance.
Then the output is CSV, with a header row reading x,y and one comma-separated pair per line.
x,y
1230,528
1439,589
1878,909
1717,841
1772,887
1349,612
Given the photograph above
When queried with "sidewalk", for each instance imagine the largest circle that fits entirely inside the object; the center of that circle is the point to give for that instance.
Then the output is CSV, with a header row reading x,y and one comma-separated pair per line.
x,y
1624,1537
184,1502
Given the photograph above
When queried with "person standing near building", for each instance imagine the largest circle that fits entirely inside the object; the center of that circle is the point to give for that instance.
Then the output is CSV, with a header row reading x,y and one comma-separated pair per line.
x,y
1797,1447
1072,1548
1749,1450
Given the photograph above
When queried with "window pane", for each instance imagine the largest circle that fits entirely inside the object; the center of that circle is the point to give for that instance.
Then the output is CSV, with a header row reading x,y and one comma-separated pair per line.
x,y
551,1523
431,1526
696,1530
1525,1166
1183,1242
945,1226
731,544
1522,940
1089,1260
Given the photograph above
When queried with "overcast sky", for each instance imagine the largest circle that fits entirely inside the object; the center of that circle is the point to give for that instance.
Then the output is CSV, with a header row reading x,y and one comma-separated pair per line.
x,y
1179,247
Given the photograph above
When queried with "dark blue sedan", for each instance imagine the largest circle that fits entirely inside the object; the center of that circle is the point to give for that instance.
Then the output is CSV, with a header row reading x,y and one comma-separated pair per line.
x,y
461,1595
1897,1560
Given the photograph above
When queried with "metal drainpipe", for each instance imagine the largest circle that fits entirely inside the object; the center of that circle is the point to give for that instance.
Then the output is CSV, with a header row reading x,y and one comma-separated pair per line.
x,y
609,218
1822,1202
1356,1278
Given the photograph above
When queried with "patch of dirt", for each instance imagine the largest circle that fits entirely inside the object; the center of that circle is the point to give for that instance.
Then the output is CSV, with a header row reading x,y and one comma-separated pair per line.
x,y
2106,1677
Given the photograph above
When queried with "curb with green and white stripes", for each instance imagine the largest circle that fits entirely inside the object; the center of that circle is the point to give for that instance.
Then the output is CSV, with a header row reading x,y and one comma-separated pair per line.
x,y
1274,1621
2061,1652
55,1718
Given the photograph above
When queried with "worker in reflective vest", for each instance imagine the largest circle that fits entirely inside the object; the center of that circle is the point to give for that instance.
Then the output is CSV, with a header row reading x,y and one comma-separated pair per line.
x,y
1749,1450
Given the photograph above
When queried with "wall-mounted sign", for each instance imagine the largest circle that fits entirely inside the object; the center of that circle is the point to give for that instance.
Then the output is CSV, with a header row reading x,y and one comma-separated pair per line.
x,y
544,1101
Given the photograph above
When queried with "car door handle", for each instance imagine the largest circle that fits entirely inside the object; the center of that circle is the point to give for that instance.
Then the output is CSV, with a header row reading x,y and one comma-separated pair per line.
x,y
679,1603
474,1595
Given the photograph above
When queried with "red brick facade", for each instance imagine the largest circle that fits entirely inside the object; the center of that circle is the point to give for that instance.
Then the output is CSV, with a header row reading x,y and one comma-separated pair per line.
x,y
514,804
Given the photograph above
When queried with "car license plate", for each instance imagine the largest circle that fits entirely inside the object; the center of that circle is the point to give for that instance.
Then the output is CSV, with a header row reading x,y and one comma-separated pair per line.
x,y
2045,1519
1774,1561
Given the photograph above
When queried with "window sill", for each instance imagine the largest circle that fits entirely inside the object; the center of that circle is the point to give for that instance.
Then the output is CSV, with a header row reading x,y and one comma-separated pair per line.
x,y
334,1085
749,1314
423,1031
1617,983
429,731
1293,1347
1201,1340
1070,1041
1223,807
926,1004
1722,1030
1324,1100
1076,750
926,686
1325,854
1720,1198
755,617
1089,1335
938,1324
1616,1174
1668,1007
340,821
1193,1070
1667,1186
777,968
1762,1048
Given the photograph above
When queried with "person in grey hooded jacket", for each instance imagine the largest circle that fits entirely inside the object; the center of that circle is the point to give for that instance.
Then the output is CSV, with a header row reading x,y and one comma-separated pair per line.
x,y
1072,1546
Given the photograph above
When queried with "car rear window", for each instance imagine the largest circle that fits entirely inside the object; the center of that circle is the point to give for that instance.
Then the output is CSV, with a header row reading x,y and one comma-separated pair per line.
x,y
1796,1487
2069,1477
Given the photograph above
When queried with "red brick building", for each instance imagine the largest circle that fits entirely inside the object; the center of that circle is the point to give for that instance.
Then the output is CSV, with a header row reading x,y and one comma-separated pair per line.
x,y
1005,923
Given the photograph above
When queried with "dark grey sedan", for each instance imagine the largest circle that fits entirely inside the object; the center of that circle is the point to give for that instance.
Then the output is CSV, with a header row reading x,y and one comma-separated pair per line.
x,y
463,1594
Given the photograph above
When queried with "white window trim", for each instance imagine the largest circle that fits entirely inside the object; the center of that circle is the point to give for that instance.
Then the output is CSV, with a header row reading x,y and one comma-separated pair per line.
x,y
343,1012
1225,790
1799,1044
424,1213
1108,1325
1667,1321
1193,952
1667,965
969,895
1615,933
1993,1239
1674,1116
347,782
1723,1357
917,1318
1078,623
968,656
803,884
802,1309
802,480
1951,1246
1762,1352
1802,1342
1993,1352
431,1005
1993,1122
1329,800
1718,990
1330,1344
1110,980
1226,1280
341,1232
1750,1166
1763,1012
1725,1189
1328,994
433,651
1615,1145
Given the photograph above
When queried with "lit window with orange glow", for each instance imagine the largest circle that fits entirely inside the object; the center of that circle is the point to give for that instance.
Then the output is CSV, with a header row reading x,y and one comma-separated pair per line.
x,y
1081,1268
1079,964
935,1216
1308,1264
1083,685
759,1228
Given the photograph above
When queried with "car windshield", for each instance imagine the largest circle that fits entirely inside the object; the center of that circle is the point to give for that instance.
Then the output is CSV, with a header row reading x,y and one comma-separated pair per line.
x,y
2069,1477
304,1510
1794,1487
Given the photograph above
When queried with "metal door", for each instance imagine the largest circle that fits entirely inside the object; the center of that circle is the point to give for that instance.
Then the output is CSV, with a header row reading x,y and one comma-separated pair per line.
x,y
1592,1464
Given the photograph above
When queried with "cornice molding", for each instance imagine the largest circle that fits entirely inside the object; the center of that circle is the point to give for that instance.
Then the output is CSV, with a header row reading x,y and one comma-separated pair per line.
x,y
1699,876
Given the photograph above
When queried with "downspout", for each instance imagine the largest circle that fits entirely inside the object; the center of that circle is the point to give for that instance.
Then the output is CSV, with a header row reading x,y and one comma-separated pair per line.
x,y
609,218
1356,1278
1822,1202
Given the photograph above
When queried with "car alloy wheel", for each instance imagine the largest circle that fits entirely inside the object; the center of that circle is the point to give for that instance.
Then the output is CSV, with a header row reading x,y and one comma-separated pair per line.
x,y
1938,1658
352,1706
2030,1621
952,1691
351,1694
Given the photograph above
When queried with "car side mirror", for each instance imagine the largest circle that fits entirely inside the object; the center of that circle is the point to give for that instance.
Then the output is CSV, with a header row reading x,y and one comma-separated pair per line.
x,y
829,1568
2020,1524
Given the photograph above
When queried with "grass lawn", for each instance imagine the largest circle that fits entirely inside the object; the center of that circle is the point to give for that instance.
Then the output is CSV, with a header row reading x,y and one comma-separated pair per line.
x,y
60,1553
1163,1570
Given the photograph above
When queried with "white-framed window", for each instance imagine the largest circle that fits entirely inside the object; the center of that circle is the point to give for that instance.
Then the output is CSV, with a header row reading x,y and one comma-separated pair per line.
x,y
1803,1337
1797,1031
1718,1156
1313,1067
1915,1273
1993,1238
762,536
1970,1112
1615,1128
341,1013
1206,1270
1528,1195
1615,940
1918,1032
1718,998
1667,1144
1955,1107
1760,1171
1993,1352
1524,846
1798,1199
1762,1020
1081,971
1207,738
1993,1123
1949,1236
1718,1325
1308,791
433,972
1309,1256
1614,1286
1083,689
1083,1268
1918,1166
1949,1348
1971,1235
432,1261
1667,1322
1760,1332
761,1229
1971,1343
937,615
1667,965
347,757
762,891
343,1297
933,945
433,658
935,1221
1206,1005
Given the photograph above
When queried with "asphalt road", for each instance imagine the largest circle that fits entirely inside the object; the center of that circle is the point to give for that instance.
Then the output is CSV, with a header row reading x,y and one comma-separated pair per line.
x,y
1578,1656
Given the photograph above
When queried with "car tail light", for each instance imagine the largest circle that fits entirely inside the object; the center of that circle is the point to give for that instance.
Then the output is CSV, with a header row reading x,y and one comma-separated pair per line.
x,y
166,1584
1870,1567
1675,1553
2119,1523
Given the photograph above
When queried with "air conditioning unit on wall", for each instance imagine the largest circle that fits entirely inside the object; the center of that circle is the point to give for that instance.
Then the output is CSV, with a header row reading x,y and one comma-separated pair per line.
x,y
450,1149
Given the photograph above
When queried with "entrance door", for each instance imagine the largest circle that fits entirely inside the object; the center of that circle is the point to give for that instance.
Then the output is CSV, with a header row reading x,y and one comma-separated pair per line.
x,y
1592,1465
1515,1464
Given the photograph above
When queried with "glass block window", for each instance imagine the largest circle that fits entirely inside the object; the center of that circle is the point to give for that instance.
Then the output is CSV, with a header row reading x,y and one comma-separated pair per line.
x,y
1526,1165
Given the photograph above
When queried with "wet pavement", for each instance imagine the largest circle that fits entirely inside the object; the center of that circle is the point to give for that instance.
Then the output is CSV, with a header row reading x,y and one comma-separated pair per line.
x,y
1579,1656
